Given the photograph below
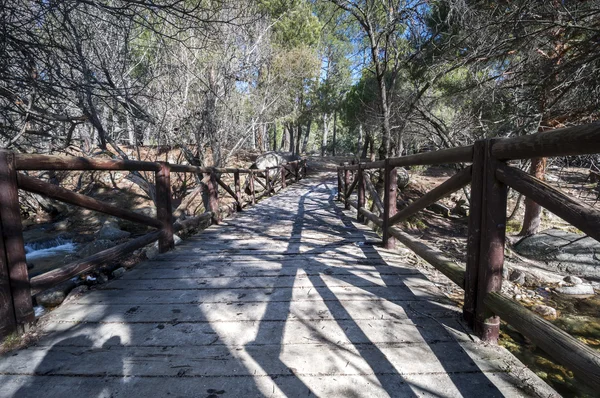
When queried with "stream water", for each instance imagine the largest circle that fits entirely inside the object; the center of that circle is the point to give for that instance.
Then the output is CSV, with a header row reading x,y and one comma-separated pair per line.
x,y
48,254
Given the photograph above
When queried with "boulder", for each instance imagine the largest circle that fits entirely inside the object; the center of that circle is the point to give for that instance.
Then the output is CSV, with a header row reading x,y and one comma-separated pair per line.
x,y
111,231
517,276
577,290
545,311
118,272
573,279
563,252
55,296
439,209
273,159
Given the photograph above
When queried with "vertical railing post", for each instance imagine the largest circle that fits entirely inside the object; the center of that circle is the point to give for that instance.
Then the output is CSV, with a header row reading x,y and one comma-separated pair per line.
x,y
164,207
346,186
297,170
389,203
15,291
303,168
361,193
282,177
251,185
340,187
213,196
268,181
474,235
491,261
238,190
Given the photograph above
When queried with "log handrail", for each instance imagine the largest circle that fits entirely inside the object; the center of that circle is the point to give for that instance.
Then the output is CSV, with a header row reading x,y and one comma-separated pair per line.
x,y
489,177
17,289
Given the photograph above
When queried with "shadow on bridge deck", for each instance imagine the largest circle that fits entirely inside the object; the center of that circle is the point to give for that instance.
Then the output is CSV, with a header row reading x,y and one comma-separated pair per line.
x,y
289,298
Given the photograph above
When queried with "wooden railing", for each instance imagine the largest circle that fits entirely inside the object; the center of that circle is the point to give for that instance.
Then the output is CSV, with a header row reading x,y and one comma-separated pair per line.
x,y
17,288
481,277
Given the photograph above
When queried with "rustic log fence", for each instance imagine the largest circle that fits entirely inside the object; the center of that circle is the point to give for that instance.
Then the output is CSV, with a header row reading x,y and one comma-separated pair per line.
x,y
17,288
489,176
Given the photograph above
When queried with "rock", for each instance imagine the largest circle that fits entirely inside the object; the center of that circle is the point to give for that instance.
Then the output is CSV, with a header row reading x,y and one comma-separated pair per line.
x,y
517,276
273,159
55,296
147,211
61,225
101,278
76,293
95,247
111,231
573,279
563,252
439,209
577,290
118,272
545,311
505,272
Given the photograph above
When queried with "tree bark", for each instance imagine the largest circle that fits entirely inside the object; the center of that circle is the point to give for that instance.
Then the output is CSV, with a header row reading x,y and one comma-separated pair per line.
x,y
359,147
533,211
325,133
306,136
334,132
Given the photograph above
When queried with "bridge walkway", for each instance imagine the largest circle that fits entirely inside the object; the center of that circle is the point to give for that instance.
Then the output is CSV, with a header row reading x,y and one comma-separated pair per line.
x,y
291,297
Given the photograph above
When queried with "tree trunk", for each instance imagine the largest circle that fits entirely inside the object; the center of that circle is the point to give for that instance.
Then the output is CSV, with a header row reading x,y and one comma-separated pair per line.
x,y
274,136
533,211
325,133
359,145
371,142
306,136
291,141
298,138
334,132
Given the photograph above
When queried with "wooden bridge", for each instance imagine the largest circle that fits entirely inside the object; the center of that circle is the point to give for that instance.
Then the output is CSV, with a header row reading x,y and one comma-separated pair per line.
x,y
293,296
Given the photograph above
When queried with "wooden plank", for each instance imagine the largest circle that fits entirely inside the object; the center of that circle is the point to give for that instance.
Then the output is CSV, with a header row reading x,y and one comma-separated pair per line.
x,y
238,191
453,271
562,347
346,183
8,322
51,162
491,260
52,278
578,140
164,208
191,222
474,234
64,195
581,215
361,194
252,190
12,235
389,203
453,184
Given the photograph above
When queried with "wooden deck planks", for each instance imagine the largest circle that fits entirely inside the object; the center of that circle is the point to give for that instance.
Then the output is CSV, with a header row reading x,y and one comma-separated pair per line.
x,y
288,298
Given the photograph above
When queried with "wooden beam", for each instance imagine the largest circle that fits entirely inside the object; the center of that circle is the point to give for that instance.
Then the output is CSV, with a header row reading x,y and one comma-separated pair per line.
x,y
346,183
164,208
361,194
52,278
226,188
52,162
562,347
578,140
12,236
64,195
454,183
474,234
491,260
582,216
372,217
238,190
389,203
